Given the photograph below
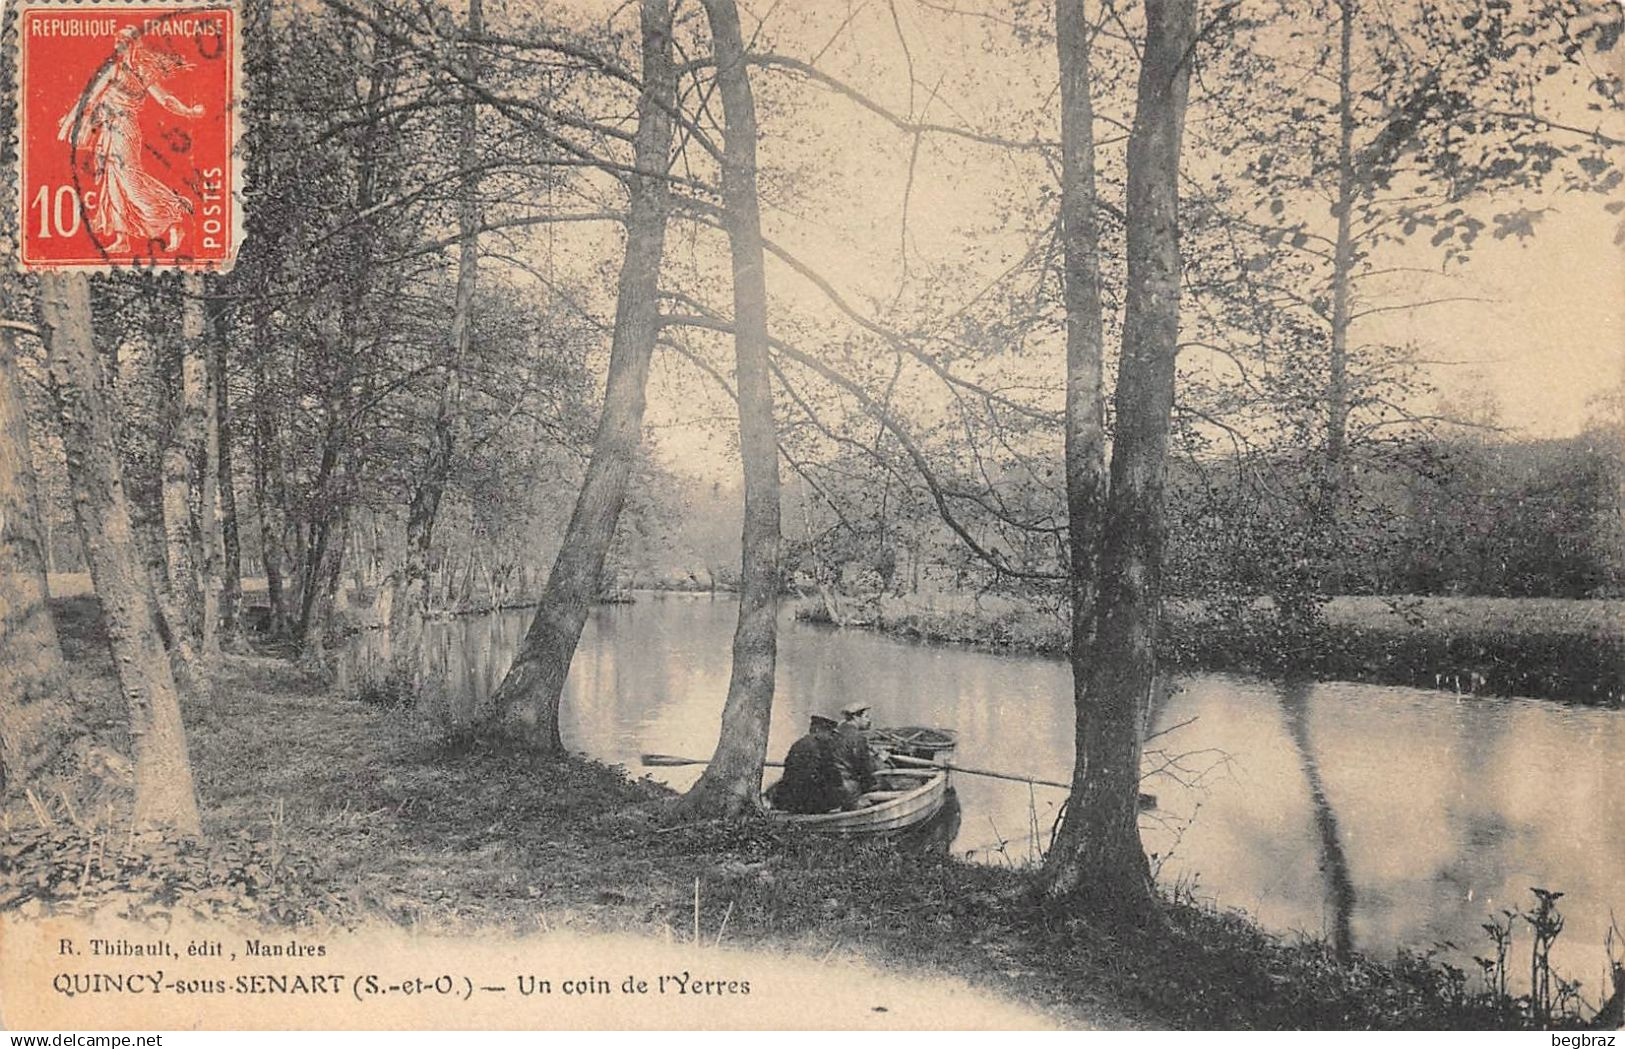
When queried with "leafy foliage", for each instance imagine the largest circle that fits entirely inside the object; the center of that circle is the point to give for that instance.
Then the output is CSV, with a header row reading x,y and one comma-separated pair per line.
x,y
64,870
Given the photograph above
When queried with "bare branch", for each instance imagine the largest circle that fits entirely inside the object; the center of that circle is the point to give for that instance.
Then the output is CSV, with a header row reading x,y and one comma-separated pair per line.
x,y
939,494
1417,305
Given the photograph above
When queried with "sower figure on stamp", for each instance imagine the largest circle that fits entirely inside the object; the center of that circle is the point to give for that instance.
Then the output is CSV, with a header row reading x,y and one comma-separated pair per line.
x,y
106,122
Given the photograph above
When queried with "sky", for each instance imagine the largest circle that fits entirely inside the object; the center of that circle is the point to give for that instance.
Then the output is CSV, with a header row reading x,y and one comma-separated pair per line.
x,y
1543,334
1553,334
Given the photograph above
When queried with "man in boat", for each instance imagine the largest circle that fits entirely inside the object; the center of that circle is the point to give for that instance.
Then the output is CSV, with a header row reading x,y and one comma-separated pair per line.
x,y
854,761
811,781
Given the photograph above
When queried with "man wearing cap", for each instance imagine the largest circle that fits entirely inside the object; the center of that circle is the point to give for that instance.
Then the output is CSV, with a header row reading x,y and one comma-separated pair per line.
x,y
854,762
811,782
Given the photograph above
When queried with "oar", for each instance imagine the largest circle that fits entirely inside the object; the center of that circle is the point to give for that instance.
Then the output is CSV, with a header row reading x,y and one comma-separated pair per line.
x,y
904,759
672,761
1147,801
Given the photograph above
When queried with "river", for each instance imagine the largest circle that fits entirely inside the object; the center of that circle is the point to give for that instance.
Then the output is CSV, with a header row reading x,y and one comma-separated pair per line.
x,y
1397,817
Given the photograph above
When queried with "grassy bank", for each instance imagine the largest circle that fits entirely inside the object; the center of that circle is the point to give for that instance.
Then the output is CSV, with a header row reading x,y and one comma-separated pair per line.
x,y
1572,651
324,811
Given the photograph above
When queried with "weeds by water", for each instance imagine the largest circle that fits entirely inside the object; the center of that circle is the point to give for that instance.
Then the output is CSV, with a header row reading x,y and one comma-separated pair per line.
x,y
1495,967
1568,650
379,686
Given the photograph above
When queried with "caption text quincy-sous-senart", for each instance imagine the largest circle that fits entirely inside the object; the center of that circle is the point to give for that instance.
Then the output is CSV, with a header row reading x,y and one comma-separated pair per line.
x,y
121,966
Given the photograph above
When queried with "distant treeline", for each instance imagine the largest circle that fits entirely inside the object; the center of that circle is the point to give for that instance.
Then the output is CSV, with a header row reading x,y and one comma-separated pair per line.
x,y
1437,517
1458,517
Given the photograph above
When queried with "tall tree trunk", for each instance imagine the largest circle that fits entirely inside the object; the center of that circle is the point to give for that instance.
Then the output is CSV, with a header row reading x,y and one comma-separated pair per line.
x,y
37,712
1098,859
1333,495
282,534
335,486
206,455
322,572
296,533
1086,483
162,528
231,551
527,702
332,578
182,390
411,602
163,771
268,498
326,538
269,487
732,781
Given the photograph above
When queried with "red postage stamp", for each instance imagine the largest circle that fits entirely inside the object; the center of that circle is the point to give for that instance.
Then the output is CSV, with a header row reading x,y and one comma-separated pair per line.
x,y
127,129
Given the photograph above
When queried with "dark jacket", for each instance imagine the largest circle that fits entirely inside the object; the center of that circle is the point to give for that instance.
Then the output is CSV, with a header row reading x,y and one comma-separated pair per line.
x,y
855,763
811,782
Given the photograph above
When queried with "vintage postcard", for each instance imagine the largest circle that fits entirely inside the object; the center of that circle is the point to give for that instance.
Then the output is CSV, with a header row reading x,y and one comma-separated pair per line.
x,y
895,515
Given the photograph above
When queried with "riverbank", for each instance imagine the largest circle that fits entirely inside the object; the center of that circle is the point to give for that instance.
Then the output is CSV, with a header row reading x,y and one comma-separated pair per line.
x,y
1573,651
326,812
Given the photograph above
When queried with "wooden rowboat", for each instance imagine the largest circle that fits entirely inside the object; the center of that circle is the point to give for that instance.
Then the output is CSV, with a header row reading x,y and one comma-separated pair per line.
x,y
906,798
916,741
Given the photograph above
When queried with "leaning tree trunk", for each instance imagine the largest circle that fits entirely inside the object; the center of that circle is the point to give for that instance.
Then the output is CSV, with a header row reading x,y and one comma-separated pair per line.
x,y
732,781
37,712
527,702
163,771
1086,484
411,601
1098,859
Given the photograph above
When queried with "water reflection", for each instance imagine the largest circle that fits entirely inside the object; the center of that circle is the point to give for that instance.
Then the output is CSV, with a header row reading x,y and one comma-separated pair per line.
x,y
1380,816
1339,887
